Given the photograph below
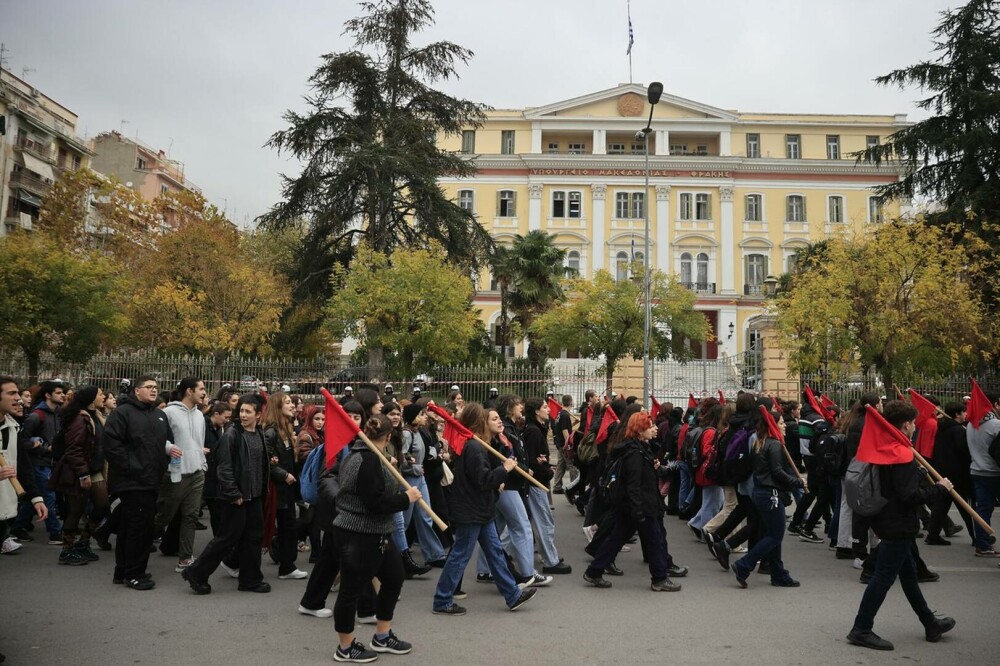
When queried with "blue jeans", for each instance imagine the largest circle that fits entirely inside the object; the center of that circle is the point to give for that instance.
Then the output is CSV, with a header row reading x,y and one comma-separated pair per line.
x,y
772,524
686,494
712,498
26,511
986,491
895,558
512,515
834,526
430,545
541,518
467,535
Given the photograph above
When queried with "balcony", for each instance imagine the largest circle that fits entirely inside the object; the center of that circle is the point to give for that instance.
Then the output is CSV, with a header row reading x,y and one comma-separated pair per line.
x,y
18,220
29,182
700,287
757,290
42,151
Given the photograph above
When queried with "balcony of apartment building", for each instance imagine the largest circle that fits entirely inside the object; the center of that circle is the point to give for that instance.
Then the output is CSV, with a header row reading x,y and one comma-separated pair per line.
x,y
35,147
19,220
24,179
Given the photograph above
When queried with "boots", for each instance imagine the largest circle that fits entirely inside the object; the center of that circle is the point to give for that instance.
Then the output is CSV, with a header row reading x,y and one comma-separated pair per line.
x,y
411,568
82,546
69,555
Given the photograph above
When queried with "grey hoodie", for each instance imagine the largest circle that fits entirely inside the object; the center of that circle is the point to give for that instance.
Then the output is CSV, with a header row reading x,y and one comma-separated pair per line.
x,y
188,426
979,446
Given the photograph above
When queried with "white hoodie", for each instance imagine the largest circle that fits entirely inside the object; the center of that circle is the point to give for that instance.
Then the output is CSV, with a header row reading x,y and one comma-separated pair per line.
x,y
8,498
188,426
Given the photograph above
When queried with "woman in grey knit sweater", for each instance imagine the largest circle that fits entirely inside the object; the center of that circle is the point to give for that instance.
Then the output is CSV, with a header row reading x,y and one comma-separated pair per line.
x,y
366,502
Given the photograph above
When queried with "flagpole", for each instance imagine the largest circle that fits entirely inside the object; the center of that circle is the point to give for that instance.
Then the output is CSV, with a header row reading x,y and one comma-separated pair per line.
x,y
516,468
954,494
628,5
18,488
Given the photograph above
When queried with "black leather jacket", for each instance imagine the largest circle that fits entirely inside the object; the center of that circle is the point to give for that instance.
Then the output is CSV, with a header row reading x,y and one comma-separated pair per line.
x,y
771,469
233,466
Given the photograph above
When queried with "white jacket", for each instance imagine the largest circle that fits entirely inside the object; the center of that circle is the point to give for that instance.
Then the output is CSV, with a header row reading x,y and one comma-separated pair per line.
x,y
8,498
188,426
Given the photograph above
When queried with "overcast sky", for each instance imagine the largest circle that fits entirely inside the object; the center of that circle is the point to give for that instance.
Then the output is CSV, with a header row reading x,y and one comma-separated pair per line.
x,y
209,79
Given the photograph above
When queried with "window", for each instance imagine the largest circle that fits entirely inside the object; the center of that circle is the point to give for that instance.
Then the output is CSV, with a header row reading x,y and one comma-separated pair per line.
x,y
576,148
835,210
686,268
506,203
494,285
871,141
702,269
678,149
792,262
507,142
76,162
566,204
702,149
573,261
629,206
753,145
616,149
875,215
466,200
755,270
638,148
793,147
832,147
140,164
553,148
468,141
575,200
621,267
164,189
63,155
754,207
702,207
796,208
686,206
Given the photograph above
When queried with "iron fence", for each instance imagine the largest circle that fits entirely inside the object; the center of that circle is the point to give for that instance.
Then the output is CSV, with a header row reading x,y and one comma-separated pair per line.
x,y
843,390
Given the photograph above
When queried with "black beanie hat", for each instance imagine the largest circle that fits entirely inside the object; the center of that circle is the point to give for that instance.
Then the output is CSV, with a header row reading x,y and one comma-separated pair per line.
x,y
410,412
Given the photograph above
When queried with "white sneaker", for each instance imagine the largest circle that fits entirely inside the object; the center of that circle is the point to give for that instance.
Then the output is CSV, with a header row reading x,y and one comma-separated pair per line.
x,y
233,573
367,619
10,545
589,532
740,549
322,612
626,549
537,580
183,564
859,563
298,574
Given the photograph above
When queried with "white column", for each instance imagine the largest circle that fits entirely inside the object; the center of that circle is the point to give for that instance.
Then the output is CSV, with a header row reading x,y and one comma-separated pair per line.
x,y
600,142
725,143
536,139
662,139
534,206
727,345
598,192
727,253
662,229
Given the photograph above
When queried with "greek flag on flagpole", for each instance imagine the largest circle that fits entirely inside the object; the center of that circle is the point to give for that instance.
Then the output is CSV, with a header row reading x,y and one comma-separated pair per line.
x,y
631,37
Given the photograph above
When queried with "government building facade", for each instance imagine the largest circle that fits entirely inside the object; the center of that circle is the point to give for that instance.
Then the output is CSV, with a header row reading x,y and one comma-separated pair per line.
x,y
733,196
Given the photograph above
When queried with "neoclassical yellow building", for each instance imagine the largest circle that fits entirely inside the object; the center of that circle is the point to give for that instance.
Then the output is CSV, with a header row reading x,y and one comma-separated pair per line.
x,y
733,196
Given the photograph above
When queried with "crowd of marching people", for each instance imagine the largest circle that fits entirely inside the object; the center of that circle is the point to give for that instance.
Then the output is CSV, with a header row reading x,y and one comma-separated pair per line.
x,y
359,485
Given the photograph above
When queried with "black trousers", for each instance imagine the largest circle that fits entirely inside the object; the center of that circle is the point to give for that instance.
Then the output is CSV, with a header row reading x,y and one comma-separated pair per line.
x,y
241,534
809,497
824,497
363,557
744,507
137,513
287,536
216,509
323,574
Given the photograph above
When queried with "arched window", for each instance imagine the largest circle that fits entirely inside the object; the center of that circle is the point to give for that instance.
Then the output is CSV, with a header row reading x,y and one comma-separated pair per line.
x,y
639,259
686,273
702,270
573,261
621,266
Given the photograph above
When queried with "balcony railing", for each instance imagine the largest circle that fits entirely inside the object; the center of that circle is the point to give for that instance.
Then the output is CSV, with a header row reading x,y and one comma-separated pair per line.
x,y
26,180
700,287
37,148
753,289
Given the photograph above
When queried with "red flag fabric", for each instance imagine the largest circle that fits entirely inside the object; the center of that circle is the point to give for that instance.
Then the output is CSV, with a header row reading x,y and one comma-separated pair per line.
x,y
455,433
827,403
692,403
340,429
655,409
772,427
263,394
882,443
589,416
818,408
722,397
979,406
610,418
927,424
554,408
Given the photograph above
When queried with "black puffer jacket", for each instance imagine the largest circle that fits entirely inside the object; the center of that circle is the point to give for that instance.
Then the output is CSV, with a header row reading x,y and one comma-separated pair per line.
x,y
951,455
134,443
478,477
640,479
904,492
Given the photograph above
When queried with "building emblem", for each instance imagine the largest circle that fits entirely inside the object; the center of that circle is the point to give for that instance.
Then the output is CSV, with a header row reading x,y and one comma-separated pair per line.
x,y
630,105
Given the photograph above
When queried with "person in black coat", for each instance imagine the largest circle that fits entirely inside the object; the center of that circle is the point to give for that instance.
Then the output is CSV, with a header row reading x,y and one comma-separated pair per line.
x,y
279,437
536,448
951,460
215,426
631,484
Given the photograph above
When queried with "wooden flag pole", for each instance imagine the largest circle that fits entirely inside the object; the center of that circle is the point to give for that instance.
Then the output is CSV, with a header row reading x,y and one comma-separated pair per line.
x,y
516,468
18,488
954,495
399,478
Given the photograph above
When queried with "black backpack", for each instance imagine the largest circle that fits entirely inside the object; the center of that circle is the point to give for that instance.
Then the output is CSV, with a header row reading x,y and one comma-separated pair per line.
x,y
820,428
831,454
611,486
692,448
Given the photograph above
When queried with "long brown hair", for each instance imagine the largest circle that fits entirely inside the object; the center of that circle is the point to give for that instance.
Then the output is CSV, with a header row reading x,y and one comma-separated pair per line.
x,y
473,417
273,418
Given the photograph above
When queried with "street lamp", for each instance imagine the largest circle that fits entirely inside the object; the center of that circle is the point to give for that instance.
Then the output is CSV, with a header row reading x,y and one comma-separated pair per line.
x,y
653,94
771,285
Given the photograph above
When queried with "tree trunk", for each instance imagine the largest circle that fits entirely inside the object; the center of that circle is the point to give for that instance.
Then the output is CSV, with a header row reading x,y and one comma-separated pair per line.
x,y
376,362
32,356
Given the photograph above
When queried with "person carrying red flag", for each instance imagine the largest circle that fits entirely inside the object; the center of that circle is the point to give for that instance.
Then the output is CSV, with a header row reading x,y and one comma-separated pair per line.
x,y
983,429
885,442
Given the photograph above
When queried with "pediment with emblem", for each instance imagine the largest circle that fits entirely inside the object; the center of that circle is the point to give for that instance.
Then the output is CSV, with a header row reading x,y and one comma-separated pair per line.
x,y
628,100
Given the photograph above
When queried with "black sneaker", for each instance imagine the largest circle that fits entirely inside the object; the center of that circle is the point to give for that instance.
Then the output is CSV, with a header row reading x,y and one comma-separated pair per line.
x,y
791,582
21,534
198,586
868,639
928,577
936,540
356,653
952,531
940,625
809,536
454,609
613,570
597,581
794,529
665,585
117,580
721,552
485,578
260,588
391,644
558,569
741,580
72,558
83,547
523,599
141,584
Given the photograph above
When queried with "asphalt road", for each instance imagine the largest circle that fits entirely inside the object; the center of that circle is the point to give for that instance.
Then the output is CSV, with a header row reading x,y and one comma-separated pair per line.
x,y
53,614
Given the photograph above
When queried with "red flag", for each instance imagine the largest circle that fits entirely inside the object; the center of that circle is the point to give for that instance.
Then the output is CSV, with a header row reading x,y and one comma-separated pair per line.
x,y
811,397
772,427
927,424
692,403
827,403
722,397
655,410
263,394
455,433
340,429
554,408
609,418
881,443
588,417
978,407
